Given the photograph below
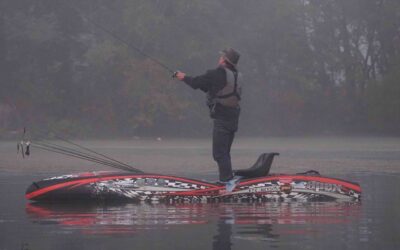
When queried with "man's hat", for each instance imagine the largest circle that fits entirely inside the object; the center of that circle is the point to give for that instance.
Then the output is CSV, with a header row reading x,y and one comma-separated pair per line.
x,y
231,55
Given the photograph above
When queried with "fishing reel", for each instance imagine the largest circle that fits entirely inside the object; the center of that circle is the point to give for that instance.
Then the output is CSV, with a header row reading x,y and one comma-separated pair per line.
x,y
174,74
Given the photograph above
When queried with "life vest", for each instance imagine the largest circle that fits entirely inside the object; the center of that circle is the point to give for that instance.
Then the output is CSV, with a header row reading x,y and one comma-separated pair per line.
x,y
230,95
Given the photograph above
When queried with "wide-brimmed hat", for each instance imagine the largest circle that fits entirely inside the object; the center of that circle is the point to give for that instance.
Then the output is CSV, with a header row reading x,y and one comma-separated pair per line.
x,y
231,55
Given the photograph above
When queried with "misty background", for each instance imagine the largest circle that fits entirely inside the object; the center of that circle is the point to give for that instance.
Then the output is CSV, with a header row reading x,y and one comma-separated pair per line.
x,y
309,66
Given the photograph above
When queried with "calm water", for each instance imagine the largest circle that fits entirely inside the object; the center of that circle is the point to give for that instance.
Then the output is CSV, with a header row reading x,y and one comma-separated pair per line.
x,y
372,223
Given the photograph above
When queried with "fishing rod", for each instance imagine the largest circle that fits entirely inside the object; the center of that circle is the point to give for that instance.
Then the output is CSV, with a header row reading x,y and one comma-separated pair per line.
x,y
73,150
129,45
94,152
79,154
93,156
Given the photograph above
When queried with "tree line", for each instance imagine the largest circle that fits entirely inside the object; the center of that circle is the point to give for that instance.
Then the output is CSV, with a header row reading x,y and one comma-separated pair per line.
x,y
309,66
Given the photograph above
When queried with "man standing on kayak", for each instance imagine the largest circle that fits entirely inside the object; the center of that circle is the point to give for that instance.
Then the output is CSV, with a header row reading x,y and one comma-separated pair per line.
x,y
223,96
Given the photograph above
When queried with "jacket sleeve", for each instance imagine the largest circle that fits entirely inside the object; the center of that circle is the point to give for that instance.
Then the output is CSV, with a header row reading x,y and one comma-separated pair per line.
x,y
202,82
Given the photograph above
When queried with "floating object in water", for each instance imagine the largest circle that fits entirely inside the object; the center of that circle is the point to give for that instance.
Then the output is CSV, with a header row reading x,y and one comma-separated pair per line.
x,y
256,185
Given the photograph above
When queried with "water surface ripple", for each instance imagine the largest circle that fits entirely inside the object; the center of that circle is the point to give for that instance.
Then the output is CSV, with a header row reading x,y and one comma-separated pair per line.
x,y
372,223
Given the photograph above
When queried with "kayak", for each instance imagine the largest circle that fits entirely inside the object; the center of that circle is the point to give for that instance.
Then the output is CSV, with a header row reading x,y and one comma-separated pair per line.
x,y
256,185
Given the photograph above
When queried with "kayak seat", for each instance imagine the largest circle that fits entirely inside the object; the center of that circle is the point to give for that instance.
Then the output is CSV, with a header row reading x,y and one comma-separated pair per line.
x,y
260,168
310,172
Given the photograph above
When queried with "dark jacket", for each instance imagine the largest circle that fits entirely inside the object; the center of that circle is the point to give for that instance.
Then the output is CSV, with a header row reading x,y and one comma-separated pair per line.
x,y
211,82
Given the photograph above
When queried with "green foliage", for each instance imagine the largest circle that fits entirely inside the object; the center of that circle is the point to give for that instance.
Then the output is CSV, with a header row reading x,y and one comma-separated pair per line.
x,y
383,104
310,66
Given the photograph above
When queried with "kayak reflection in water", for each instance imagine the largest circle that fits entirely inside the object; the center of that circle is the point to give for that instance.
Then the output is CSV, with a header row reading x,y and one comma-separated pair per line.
x,y
246,221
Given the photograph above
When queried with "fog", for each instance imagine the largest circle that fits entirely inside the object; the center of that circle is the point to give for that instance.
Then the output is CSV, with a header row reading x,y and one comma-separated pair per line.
x,y
309,67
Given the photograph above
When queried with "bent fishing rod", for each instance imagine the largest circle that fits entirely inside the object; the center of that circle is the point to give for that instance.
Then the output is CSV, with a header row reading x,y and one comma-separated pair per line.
x,y
129,45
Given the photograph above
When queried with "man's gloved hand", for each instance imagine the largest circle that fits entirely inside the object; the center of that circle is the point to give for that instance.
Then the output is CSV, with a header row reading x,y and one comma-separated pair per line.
x,y
179,75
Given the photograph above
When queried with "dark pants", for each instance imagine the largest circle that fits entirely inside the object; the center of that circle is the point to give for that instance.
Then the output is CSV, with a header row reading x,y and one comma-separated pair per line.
x,y
223,135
